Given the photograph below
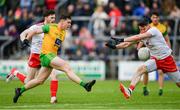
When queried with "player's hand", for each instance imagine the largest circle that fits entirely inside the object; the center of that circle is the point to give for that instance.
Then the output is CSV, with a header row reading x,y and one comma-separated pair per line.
x,y
111,44
25,44
118,40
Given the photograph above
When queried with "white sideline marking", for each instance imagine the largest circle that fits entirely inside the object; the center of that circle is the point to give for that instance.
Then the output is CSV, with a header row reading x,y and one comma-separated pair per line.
x,y
89,106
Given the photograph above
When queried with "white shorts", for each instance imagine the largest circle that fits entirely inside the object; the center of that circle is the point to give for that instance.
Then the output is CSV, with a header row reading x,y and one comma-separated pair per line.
x,y
151,66
175,76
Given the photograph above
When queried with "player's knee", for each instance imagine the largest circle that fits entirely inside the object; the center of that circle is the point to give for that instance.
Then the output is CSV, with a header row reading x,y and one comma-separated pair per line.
x,y
142,69
67,68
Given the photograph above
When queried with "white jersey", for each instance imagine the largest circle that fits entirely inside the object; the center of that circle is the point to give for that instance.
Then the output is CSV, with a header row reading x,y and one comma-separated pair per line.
x,y
36,42
157,44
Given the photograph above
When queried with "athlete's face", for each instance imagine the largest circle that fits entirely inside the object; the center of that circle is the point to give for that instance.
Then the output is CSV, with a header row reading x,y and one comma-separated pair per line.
x,y
155,19
50,18
66,24
143,29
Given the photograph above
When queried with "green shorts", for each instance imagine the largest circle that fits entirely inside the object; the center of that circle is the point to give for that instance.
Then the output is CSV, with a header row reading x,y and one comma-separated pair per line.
x,y
46,59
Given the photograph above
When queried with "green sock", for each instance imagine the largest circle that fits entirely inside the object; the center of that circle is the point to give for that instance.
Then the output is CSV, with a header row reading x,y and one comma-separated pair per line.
x,y
23,89
145,88
161,90
82,83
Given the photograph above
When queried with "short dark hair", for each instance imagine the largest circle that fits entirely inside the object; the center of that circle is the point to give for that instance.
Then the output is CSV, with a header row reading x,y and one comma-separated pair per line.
x,y
48,12
155,13
144,21
65,17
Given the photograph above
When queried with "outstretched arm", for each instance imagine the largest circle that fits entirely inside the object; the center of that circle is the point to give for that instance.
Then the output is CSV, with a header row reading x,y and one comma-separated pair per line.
x,y
31,33
124,45
24,34
137,37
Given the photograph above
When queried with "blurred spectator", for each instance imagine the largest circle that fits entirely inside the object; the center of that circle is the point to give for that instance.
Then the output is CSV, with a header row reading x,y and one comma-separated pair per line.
x,y
25,21
114,14
51,4
71,10
39,3
99,17
38,11
79,8
175,12
102,2
2,21
127,10
167,6
87,11
12,31
2,6
12,4
18,13
26,4
141,10
86,39
10,19
156,8
135,28
2,24
75,30
68,44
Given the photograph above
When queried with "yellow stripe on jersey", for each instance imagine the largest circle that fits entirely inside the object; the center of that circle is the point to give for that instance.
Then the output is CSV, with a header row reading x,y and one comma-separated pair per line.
x,y
53,37
161,28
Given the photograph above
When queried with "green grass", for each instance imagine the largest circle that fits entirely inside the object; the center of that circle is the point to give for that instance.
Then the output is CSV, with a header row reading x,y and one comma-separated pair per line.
x,y
105,95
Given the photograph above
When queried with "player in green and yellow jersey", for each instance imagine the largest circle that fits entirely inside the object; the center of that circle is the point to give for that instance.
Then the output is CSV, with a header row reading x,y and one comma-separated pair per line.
x,y
54,35
162,28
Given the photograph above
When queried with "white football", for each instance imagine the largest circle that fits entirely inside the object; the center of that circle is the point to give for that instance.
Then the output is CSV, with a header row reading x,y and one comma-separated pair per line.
x,y
143,53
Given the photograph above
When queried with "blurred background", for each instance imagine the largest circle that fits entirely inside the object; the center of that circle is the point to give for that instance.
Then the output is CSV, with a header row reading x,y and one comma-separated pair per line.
x,y
93,22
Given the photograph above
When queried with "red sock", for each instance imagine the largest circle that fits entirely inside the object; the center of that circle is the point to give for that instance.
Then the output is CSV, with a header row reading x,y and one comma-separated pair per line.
x,y
54,88
21,77
131,87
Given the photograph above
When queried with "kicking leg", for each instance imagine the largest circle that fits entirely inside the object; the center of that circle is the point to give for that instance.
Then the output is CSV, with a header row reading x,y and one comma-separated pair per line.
x,y
21,76
136,78
14,72
62,65
148,66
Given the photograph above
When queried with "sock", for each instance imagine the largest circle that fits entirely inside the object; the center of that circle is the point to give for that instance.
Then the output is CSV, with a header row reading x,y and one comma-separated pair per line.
x,y
160,90
21,77
82,83
145,88
131,88
23,89
130,91
53,88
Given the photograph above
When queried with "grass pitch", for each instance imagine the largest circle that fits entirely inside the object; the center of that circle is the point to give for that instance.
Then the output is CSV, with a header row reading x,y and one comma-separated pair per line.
x,y
105,95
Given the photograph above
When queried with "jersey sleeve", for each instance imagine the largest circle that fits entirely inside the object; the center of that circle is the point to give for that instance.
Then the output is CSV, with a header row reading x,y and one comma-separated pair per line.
x,y
45,28
33,27
165,31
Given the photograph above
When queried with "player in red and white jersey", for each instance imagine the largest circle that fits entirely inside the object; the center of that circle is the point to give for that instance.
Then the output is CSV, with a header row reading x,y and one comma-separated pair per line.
x,y
160,52
34,60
